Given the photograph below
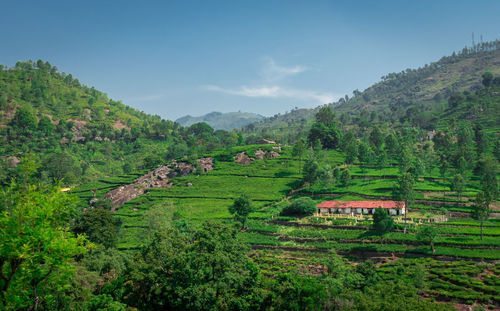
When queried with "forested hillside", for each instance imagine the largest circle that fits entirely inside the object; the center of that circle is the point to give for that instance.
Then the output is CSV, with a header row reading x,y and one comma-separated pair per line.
x,y
77,133
418,96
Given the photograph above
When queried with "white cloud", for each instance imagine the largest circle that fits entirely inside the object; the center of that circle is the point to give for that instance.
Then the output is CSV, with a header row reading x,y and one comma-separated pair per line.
x,y
274,72
272,76
276,92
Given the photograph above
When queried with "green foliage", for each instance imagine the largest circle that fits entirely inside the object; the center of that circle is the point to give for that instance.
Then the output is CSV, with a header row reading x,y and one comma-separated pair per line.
x,y
311,170
345,178
24,120
428,234
104,302
298,151
37,249
99,226
295,292
45,125
458,184
382,222
489,169
300,207
397,295
403,190
325,129
487,79
241,207
151,161
329,136
61,166
211,272
481,209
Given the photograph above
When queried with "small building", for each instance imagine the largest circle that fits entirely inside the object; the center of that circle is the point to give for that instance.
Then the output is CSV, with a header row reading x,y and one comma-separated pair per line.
x,y
264,141
360,207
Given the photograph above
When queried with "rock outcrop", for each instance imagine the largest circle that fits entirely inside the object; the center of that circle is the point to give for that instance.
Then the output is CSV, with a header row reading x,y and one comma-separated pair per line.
x,y
260,154
158,178
272,155
243,158
206,164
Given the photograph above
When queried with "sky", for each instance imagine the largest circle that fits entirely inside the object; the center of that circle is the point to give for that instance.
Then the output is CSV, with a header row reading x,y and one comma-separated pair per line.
x,y
173,58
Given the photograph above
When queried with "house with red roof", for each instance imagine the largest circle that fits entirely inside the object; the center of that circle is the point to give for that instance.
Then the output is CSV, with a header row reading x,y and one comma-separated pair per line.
x,y
360,207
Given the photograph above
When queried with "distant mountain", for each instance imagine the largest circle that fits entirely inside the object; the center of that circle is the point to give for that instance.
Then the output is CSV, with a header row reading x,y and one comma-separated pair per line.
x,y
222,121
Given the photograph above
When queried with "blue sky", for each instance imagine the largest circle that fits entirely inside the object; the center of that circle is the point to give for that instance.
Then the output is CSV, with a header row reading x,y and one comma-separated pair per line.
x,y
174,58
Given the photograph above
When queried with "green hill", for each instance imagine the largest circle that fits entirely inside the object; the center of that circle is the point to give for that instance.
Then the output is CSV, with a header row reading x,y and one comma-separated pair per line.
x,y
76,133
429,85
419,95
222,121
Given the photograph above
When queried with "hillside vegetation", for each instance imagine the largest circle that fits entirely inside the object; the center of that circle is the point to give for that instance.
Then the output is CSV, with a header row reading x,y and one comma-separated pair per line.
x,y
419,96
77,133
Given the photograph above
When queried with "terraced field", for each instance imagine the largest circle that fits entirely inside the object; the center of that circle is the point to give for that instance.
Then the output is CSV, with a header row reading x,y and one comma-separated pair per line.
x,y
464,267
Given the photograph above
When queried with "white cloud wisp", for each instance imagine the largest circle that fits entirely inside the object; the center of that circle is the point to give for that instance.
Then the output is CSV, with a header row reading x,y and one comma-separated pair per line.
x,y
276,92
274,72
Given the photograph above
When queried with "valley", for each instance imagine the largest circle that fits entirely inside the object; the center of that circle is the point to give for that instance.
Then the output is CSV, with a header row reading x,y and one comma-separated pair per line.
x,y
105,207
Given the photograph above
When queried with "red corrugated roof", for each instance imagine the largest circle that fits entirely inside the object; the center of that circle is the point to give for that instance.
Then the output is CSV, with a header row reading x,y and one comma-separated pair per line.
x,y
361,204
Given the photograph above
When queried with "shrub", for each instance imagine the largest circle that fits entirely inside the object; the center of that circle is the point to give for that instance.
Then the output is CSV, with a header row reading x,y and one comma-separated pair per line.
x,y
300,207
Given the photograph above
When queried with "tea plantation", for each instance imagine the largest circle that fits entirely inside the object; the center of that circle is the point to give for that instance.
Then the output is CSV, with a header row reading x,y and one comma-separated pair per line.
x,y
463,269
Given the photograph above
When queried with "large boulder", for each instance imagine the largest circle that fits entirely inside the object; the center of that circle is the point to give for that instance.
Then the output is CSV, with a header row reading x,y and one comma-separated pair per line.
x,y
272,154
206,164
243,158
260,154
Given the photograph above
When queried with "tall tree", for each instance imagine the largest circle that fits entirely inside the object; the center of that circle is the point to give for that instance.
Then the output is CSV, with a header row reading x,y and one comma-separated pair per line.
x,y
405,159
311,169
241,207
458,185
376,137
325,129
382,222
325,115
298,151
488,167
428,234
345,178
443,169
329,136
382,161
403,191
481,210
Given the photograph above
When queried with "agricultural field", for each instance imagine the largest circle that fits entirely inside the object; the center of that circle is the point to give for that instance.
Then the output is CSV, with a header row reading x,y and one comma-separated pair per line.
x,y
463,269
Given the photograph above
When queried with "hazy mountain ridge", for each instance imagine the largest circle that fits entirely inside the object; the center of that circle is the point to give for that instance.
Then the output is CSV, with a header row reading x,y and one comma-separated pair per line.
x,y
222,121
